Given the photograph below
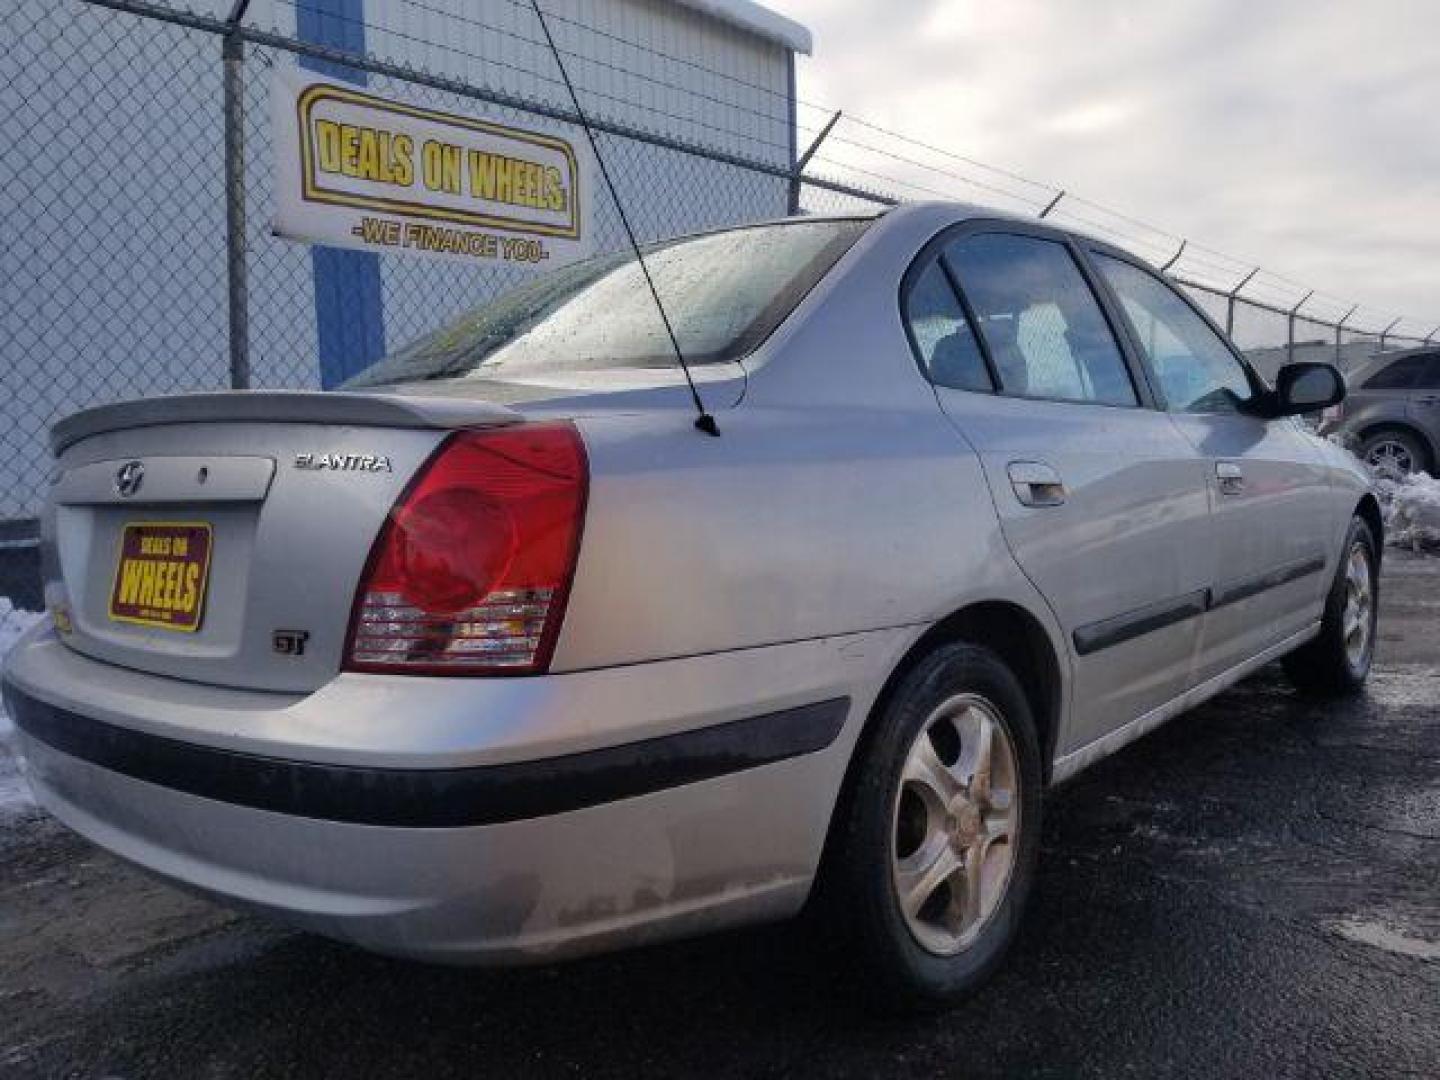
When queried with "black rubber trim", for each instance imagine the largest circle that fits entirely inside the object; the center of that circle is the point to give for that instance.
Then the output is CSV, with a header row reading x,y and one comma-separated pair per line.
x,y
434,798
1121,628
1245,588
1095,636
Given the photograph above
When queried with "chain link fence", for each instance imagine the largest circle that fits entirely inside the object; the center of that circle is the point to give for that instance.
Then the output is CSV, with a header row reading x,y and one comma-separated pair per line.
x,y
117,262
123,277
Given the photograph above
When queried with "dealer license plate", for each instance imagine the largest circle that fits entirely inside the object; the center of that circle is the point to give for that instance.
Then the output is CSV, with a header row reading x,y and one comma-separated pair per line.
x,y
161,575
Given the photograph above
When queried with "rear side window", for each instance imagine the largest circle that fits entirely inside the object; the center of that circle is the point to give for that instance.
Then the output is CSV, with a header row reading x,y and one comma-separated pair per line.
x,y
1431,379
1196,371
1402,374
1044,329
947,347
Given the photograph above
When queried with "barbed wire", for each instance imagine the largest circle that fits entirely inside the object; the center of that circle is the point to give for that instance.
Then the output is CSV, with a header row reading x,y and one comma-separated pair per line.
x,y
1219,266
1050,189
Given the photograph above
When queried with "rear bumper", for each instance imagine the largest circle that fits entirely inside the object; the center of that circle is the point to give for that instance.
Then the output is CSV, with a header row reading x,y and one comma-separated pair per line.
x,y
433,798
706,805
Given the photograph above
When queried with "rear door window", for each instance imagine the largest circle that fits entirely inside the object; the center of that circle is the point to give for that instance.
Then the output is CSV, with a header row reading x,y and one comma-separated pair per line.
x,y
1195,369
1430,379
1045,331
1401,374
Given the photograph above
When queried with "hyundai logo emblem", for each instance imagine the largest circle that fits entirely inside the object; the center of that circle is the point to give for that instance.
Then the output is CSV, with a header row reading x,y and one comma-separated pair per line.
x,y
128,478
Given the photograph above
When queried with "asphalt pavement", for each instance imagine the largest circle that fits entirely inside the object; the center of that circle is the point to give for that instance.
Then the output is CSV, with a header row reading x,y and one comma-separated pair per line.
x,y
1252,891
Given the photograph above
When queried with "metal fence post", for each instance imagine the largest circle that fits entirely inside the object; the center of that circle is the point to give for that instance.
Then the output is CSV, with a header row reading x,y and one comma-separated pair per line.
x,y
1290,327
1386,332
233,56
1230,302
804,159
1175,258
1340,330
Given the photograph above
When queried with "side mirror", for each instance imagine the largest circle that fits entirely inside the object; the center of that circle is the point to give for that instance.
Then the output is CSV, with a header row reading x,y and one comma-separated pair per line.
x,y
1306,388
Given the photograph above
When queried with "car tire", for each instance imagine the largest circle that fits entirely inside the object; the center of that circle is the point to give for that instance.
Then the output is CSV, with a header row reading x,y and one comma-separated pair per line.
x,y
891,824
1395,452
1337,662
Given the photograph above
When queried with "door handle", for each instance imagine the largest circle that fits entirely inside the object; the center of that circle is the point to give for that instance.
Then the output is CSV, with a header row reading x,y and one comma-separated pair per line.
x,y
1428,399
1036,484
1230,477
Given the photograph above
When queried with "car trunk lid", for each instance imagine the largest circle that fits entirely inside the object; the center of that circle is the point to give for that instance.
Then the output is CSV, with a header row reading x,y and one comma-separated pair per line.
x,y
219,538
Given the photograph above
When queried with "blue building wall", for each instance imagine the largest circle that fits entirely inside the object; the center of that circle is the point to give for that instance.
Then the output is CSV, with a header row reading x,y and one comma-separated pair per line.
x,y
349,310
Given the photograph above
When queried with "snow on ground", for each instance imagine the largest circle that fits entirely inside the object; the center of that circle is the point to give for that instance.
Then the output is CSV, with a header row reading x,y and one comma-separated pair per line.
x,y
14,795
1411,504
14,622
1412,512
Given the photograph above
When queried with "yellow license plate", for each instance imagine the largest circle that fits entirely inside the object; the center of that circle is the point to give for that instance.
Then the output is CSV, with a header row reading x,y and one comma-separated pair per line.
x,y
161,574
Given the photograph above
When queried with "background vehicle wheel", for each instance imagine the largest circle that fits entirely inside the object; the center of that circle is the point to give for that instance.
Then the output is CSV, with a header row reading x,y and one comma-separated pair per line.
x,y
938,834
1394,453
1338,661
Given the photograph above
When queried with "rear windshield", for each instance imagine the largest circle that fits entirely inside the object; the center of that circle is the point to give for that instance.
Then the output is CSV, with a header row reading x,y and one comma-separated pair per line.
x,y
723,292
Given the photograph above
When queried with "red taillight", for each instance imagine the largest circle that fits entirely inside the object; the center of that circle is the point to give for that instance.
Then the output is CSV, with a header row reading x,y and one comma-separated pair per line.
x,y
470,573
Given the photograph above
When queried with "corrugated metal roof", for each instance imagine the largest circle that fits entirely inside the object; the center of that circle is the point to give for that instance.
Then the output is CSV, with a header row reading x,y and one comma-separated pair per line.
x,y
751,16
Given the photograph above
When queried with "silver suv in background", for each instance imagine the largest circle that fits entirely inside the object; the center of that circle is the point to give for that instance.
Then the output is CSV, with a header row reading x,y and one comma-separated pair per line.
x,y
1392,412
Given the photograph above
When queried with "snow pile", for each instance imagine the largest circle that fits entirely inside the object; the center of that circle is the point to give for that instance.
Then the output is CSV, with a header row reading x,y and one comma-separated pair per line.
x,y
14,622
1412,511
1346,440
1411,504
14,795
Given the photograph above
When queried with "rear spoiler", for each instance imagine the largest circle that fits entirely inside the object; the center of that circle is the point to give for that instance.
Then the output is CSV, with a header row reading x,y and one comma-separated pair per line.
x,y
283,407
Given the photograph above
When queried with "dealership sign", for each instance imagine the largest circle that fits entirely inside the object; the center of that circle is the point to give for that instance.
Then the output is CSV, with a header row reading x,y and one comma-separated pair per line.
x,y
358,171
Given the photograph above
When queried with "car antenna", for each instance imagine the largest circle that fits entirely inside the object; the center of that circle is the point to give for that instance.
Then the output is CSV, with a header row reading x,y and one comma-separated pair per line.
x,y
704,421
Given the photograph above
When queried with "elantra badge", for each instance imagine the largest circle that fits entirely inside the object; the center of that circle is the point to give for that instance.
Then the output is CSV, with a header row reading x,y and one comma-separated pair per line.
x,y
343,462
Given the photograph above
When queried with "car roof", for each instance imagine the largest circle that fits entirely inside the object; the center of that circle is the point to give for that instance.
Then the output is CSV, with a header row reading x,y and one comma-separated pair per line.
x,y
958,212
943,213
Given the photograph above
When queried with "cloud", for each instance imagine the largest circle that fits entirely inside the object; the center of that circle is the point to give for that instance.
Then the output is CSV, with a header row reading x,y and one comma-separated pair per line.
x,y
1296,134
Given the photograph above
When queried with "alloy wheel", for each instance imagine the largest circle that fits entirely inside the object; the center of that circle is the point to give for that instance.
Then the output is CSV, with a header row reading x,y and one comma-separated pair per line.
x,y
1358,619
1391,459
956,824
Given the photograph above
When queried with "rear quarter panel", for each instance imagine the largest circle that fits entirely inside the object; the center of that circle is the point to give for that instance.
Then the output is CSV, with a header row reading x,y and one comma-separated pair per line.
x,y
837,499
794,524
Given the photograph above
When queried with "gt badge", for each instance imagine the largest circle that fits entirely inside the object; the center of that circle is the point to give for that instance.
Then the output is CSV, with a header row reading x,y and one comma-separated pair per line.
x,y
290,642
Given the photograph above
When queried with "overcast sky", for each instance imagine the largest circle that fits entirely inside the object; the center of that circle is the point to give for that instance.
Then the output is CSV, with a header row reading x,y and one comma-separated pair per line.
x,y
1304,134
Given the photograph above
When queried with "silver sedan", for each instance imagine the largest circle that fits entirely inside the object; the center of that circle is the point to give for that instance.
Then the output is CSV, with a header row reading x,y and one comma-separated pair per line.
x,y
493,657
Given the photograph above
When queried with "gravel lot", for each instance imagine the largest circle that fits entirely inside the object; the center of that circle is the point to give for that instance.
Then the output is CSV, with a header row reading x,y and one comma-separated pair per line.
x,y
1252,891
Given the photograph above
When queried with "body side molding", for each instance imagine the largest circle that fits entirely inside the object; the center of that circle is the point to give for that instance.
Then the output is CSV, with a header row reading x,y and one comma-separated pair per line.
x,y
1118,629
1095,636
